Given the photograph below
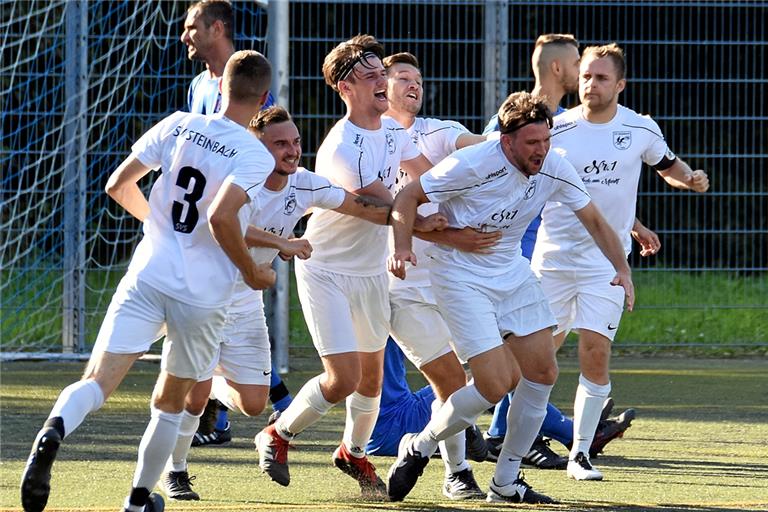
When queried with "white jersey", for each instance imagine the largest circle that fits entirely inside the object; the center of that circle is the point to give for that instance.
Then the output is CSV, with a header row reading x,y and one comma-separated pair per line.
x,y
478,187
278,213
436,139
353,158
608,158
197,154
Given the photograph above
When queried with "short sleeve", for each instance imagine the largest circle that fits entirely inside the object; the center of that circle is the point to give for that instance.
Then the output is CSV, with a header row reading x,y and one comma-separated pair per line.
x,y
252,170
149,148
452,177
324,193
571,190
657,147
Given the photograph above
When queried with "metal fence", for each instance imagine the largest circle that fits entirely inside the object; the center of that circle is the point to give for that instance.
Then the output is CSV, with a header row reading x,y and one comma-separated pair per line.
x,y
82,80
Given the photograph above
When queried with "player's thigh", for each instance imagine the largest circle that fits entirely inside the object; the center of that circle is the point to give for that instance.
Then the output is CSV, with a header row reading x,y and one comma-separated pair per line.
x,y
523,308
599,305
251,398
192,339
369,306
244,354
134,319
470,315
560,287
417,326
326,311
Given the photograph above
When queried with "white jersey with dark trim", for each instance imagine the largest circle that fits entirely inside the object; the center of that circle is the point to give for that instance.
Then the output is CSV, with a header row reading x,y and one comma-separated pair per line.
x,y
608,158
478,187
353,158
436,139
278,213
198,154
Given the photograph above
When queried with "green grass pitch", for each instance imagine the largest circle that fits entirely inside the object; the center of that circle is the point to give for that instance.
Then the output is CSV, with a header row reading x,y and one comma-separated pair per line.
x,y
699,443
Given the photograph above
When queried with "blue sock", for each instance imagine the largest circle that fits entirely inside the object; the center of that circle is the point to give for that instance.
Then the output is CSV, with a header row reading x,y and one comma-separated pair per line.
x,y
557,426
278,393
498,426
222,418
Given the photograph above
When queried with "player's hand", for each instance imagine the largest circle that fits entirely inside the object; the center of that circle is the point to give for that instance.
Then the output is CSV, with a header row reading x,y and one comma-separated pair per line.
x,y
434,222
396,262
698,181
298,247
260,276
624,279
648,240
472,240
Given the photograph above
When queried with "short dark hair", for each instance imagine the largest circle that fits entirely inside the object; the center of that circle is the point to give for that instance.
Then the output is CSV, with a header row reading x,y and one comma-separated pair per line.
x,y
216,10
612,51
340,62
268,116
400,58
522,108
247,76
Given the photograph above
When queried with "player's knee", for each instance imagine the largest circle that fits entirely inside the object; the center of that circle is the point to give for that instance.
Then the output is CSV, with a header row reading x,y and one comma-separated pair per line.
x,y
543,374
340,387
253,406
195,404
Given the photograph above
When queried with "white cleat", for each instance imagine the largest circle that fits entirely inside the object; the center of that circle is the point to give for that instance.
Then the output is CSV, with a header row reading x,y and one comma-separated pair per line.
x,y
581,469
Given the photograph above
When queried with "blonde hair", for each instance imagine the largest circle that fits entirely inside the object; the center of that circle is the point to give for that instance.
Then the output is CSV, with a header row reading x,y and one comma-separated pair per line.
x,y
612,51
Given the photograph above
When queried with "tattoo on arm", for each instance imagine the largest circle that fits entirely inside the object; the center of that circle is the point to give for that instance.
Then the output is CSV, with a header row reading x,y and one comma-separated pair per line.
x,y
371,202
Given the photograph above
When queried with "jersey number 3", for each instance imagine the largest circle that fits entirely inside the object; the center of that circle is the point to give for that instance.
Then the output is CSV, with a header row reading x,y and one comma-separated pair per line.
x,y
185,215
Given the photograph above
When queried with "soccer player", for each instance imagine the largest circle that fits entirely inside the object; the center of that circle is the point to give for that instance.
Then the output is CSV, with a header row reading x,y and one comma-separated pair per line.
x,y
496,185
415,322
208,36
555,64
180,277
607,144
343,287
240,370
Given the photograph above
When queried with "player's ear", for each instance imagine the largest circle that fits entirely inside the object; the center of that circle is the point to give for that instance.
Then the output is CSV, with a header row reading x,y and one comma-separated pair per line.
x,y
620,85
218,28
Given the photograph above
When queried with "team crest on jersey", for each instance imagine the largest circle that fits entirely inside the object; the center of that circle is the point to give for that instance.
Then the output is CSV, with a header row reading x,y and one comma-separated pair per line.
x,y
531,190
290,202
622,140
390,143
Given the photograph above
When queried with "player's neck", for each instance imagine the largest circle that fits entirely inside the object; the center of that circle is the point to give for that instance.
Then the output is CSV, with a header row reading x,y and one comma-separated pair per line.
x,y
406,119
364,120
601,116
275,182
218,60
554,94
241,113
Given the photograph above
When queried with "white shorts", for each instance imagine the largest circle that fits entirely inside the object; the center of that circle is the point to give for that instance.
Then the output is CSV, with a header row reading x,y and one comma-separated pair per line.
x,y
344,313
482,311
244,355
139,314
584,300
417,325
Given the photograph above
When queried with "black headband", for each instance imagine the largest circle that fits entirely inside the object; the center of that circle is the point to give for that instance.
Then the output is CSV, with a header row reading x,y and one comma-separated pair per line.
x,y
526,123
347,68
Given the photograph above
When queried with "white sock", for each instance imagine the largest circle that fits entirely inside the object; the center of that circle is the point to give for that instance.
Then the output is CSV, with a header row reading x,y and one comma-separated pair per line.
x,y
75,402
524,418
308,406
586,414
156,446
452,450
187,429
221,391
457,413
362,412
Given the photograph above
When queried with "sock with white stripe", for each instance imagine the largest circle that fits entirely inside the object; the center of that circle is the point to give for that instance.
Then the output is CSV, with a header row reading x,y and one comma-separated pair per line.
x,y
362,412
587,407
75,402
307,407
524,418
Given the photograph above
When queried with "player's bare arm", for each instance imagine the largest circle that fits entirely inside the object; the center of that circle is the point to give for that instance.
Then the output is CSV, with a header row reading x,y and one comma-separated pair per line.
x,y
415,167
464,239
648,239
680,175
225,228
403,217
469,139
288,247
610,245
122,186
